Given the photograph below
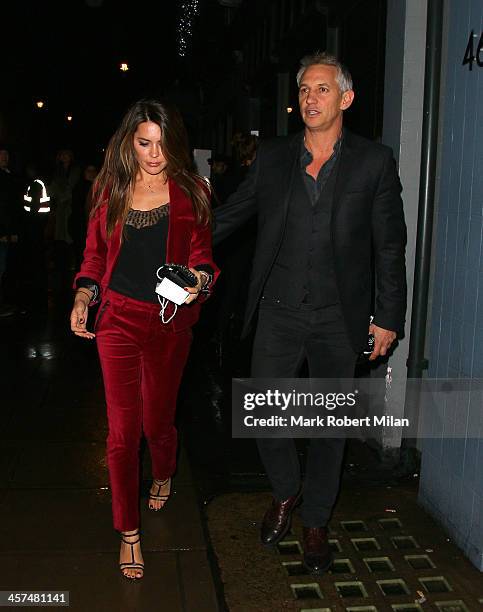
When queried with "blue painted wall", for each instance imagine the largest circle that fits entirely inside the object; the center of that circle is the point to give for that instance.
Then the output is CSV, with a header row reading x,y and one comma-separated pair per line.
x,y
452,469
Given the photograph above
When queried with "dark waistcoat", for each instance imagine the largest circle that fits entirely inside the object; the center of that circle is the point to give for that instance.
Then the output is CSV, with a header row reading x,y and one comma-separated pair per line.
x,y
303,271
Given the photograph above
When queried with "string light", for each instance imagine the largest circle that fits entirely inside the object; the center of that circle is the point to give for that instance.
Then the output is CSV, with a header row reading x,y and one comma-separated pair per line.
x,y
124,67
69,117
40,104
188,11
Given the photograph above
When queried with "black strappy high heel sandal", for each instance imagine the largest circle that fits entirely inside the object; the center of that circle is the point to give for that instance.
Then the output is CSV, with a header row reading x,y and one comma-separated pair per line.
x,y
156,496
133,564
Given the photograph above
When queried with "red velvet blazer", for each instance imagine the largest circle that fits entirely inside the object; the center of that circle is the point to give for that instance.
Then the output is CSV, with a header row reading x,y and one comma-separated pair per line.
x,y
188,243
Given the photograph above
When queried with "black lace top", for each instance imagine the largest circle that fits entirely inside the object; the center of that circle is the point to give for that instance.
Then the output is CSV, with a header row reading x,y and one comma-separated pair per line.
x,y
143,250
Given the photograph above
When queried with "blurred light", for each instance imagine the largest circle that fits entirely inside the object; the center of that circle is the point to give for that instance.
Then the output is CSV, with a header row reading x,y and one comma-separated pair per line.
x,y
69,117
39,104
289,109
188,11
43,350
124,67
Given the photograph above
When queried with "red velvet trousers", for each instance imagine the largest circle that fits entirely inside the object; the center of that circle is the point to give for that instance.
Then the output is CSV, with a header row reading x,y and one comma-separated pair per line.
x,y
142,362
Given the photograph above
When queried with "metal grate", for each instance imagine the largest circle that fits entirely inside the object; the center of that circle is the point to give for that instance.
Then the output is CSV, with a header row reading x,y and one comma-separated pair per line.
x,y
295,568
435,584
389,523
289,548
393,587
419,562
351,589
342,566
335,546
377,580
378,564
451,606
306,591
365,544
353,526
404,542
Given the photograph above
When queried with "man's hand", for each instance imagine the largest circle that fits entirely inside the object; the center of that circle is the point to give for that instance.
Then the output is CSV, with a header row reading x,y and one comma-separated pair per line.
x,y
383,338
194,291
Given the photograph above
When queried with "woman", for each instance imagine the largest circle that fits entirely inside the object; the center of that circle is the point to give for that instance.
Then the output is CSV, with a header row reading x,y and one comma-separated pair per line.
x,y
149,209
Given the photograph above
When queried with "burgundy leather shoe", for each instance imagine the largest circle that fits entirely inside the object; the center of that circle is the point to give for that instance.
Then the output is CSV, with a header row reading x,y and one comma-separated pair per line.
x,y
276,521
317,553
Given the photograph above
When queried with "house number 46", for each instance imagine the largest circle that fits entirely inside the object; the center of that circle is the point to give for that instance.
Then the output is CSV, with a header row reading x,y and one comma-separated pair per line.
x,y
470,54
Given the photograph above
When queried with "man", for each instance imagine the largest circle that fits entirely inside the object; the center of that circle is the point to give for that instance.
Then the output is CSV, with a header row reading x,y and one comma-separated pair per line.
x,y
34,280
222,178
327,202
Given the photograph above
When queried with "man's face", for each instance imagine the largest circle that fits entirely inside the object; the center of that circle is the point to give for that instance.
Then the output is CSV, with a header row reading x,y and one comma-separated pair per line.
x,y
65,156
90,173
218,167
320,100
4,158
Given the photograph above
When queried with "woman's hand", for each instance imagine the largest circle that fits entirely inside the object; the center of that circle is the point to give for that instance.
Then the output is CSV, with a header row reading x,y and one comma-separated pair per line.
x,y
194,291
78,317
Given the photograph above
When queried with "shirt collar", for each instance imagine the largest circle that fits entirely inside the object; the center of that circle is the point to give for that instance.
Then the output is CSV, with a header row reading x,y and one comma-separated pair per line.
x,y
306,156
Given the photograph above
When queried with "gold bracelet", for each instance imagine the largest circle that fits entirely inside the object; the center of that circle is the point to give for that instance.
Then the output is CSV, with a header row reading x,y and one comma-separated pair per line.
x,y
84,292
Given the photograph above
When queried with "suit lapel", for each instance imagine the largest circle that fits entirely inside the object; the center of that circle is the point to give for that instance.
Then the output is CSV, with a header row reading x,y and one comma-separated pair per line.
x,y
347,161
290,169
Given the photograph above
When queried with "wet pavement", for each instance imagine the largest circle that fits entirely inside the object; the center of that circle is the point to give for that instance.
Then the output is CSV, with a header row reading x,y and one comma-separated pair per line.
x,y
55,517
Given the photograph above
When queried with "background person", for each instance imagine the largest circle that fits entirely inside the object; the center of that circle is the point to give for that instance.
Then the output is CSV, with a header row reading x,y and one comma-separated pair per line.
x,y
235,261
149,208
9,225
66,177
80,208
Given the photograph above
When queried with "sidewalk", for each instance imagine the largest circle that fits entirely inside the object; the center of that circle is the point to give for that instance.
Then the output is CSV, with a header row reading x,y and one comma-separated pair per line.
x,y
389,557
55,517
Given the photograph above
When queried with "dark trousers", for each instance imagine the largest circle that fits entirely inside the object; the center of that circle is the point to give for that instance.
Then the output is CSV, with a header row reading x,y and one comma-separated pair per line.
x,y
285,337
142,363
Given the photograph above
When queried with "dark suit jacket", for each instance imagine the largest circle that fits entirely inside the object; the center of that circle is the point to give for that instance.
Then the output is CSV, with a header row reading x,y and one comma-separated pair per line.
x,y
367,219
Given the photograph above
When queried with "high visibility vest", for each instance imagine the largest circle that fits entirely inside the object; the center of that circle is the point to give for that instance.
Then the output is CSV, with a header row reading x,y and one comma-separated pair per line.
x,y
44,199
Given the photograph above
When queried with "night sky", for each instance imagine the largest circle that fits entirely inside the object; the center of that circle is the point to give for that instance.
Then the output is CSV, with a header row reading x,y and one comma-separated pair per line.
x,y
68,55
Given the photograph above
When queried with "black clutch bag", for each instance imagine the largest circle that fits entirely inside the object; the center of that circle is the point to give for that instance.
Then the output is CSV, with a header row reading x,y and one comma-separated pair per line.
x,y
178,274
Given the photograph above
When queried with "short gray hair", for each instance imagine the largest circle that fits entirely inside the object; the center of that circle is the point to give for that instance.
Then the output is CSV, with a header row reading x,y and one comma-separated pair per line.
x,y
343,76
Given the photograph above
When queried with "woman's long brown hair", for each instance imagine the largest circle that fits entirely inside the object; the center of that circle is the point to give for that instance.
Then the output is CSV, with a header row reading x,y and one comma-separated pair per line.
x,y
118,174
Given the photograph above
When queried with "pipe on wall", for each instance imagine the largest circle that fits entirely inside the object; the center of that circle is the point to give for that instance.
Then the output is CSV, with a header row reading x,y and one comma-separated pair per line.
x,y
416,361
